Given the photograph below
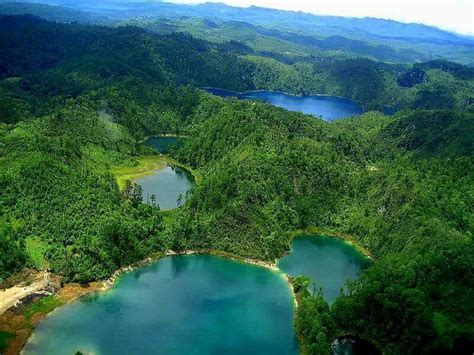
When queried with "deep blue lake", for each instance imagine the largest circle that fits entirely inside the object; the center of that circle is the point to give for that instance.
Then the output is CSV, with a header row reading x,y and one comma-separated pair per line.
x,y
328,108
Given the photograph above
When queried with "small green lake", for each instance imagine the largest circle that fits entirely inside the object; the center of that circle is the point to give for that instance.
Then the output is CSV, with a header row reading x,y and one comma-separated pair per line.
x,y
169,185
327,261
195,304
163,144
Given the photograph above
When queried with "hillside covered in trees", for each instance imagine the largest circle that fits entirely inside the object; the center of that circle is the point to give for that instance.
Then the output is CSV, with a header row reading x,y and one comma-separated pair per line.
x,y
76,100
270,29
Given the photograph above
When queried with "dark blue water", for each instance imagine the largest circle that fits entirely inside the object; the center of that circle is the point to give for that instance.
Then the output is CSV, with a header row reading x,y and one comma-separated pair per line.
x,y
328,108
195,304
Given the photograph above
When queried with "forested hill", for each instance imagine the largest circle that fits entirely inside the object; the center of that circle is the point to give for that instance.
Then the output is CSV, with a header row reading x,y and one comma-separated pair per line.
x,y
104,53
30,45
76,100
332,25
51,12
377,38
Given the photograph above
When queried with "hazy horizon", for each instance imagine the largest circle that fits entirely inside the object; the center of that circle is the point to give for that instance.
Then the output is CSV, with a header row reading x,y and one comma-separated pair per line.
x,y
450,15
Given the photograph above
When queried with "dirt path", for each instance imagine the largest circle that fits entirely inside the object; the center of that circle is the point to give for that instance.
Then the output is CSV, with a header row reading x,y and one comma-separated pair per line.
x,y
11,296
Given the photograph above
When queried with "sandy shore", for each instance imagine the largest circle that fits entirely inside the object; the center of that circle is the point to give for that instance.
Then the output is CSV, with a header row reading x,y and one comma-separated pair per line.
x,y
108,283
20,323
12,296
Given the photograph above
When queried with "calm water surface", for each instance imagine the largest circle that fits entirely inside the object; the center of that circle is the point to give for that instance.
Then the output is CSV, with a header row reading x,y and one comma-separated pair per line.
x,y
200,304
327,261
163,144
167,185
195,304
327,107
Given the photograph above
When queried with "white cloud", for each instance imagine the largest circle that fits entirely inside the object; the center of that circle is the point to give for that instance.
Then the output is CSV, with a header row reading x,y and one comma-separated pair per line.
x,y
454,15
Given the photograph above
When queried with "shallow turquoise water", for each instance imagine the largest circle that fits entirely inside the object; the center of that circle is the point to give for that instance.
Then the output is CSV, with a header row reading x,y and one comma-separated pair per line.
x,y
163,144
199,304
328,108
196,304
327,261
167,185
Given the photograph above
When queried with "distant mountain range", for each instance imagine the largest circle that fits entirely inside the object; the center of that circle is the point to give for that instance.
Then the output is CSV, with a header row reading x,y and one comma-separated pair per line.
x,y
432,42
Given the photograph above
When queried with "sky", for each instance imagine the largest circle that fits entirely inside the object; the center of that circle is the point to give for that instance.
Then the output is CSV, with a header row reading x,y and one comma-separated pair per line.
x,y
452,15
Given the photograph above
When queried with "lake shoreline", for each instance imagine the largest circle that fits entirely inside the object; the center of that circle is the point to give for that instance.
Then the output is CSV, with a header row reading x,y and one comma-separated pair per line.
x,y
313,230
72,292
108,283
147,165
326,107
278,92
20,323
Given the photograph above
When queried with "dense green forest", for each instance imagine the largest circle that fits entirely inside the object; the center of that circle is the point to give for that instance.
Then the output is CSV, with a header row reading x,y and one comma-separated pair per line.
x,y
179,58
75,100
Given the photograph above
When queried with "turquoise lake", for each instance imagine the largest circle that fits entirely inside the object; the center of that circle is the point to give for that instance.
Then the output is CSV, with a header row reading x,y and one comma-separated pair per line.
x,y
195,304
327,261
329,108
167,185
200,304
163,144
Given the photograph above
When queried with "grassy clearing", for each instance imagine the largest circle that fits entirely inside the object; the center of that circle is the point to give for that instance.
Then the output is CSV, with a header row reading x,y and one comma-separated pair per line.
x,y
43,306
35,249
145,166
